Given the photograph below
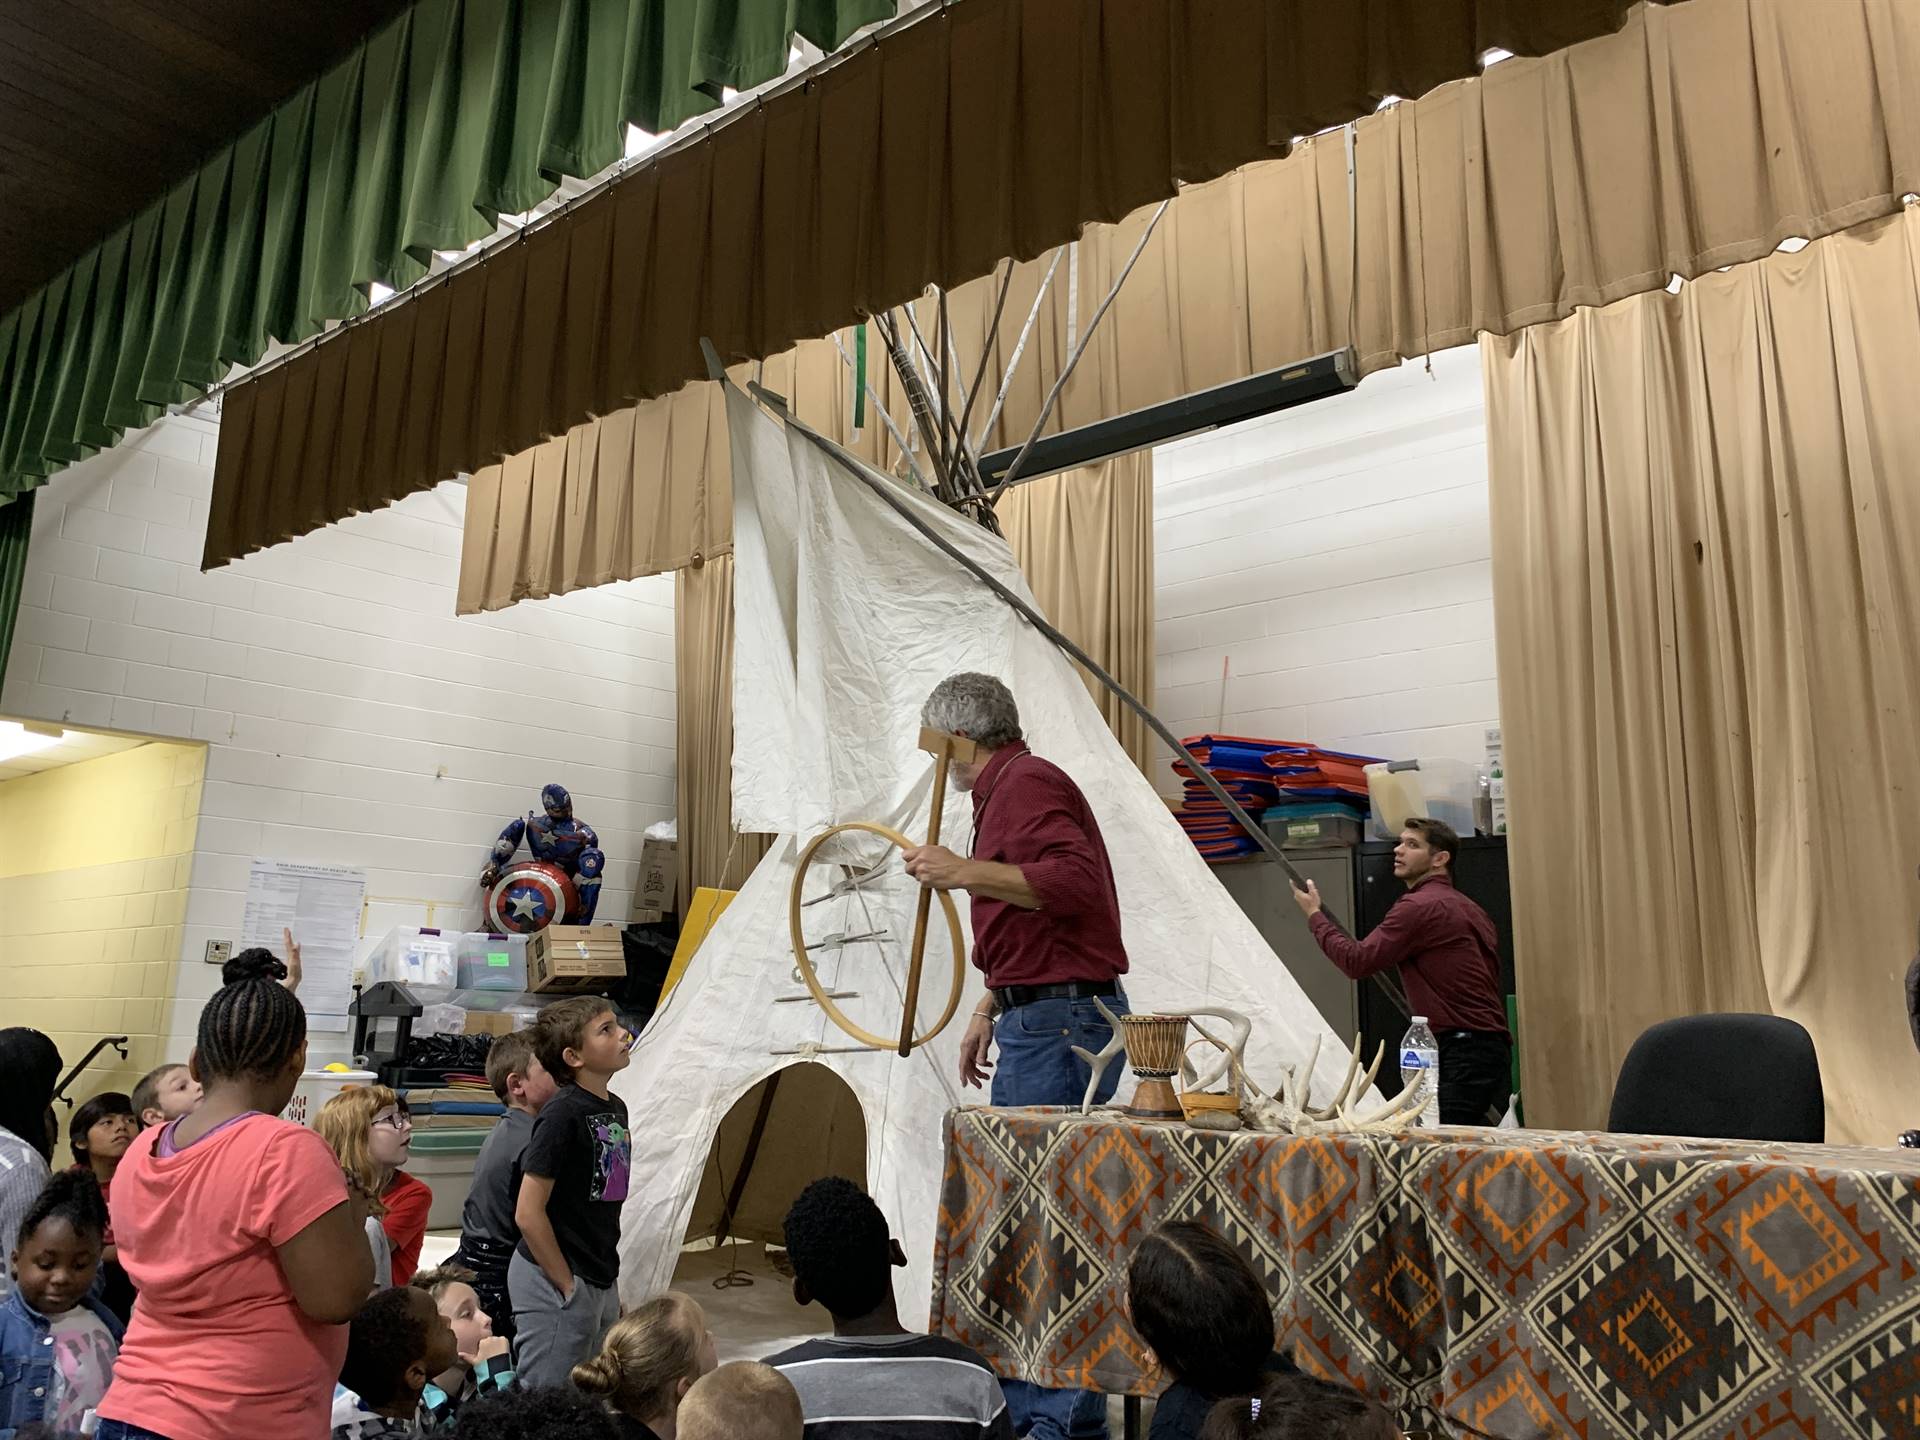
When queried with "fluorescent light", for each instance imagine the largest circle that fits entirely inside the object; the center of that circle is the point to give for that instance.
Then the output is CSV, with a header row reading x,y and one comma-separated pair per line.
x,y
1492,56
1792,244
376,292
16,740
1385,101
1674,282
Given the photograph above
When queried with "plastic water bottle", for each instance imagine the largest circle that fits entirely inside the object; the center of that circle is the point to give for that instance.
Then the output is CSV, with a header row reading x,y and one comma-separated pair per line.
x,y
1420,1053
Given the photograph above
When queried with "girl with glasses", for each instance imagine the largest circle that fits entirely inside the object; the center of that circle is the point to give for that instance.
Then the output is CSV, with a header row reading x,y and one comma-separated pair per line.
x,y
371,1130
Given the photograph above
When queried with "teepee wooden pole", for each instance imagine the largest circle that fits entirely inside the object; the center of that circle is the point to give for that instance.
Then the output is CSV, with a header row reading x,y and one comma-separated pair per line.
x,y
945,749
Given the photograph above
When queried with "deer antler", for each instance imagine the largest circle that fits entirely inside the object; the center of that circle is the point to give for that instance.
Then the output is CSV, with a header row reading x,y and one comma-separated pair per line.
x,y
1098,1063
1230,1051
1349,1092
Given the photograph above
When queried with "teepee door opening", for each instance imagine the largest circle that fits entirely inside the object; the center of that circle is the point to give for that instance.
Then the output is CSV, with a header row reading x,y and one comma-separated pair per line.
x,y
799,1124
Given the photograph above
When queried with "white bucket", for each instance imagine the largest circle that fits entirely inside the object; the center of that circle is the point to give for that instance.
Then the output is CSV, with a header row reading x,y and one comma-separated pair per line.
x,y
316,1087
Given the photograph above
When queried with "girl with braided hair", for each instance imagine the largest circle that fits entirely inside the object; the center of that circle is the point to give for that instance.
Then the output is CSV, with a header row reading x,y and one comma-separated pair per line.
x,y
244,1237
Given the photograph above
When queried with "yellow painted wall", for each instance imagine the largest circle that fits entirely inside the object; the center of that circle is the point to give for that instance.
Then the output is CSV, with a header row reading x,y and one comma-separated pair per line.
x,y
94,861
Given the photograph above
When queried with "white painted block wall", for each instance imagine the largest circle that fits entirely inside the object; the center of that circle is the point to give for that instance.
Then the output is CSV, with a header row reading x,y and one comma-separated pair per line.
x,y
351,719
1337,558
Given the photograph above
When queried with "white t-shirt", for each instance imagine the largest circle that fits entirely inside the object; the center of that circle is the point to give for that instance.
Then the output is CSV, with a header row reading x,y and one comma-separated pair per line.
x,y
382,1254
83,1354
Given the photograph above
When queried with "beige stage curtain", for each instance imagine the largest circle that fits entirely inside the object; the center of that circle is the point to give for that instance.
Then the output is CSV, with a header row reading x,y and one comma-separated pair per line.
x,y
1700,135
1084,540
922,155
710,852
1707,593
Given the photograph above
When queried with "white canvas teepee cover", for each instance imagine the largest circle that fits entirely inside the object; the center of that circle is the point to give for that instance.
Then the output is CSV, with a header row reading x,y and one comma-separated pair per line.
x,y
845,618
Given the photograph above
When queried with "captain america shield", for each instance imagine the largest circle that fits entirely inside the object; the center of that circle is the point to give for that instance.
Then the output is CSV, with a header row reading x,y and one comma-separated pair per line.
x,y
529,895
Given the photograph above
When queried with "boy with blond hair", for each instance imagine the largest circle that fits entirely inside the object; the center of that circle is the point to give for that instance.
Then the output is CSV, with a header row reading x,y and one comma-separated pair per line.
x,y
741,1401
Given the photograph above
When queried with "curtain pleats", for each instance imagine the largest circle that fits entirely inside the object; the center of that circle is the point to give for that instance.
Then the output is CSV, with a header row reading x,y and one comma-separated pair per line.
x,y
455,113
711,853
1489,205
1706,543
1084,540
990,128
16,534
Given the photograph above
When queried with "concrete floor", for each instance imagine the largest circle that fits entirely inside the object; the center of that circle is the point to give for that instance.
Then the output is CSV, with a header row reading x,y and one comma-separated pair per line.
x,y
749,1322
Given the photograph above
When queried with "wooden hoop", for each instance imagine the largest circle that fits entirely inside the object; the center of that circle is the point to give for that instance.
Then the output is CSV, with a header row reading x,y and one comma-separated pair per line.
x,y
819,992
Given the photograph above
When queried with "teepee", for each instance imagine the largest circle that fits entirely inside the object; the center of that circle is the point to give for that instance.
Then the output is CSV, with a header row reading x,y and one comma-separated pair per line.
x,y
845,618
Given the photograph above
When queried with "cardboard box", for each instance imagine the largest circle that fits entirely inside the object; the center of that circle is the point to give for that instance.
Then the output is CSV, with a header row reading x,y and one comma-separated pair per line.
x,y
659,877
575,959
490,1022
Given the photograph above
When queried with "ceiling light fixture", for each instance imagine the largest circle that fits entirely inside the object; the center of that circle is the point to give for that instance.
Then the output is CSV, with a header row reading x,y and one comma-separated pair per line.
x,y
1493,56
17,740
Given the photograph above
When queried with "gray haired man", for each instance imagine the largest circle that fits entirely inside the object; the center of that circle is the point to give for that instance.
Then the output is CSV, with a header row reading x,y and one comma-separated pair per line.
x,y
1046,933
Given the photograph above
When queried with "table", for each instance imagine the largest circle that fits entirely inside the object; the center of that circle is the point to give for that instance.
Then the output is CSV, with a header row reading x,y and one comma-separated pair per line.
x,y
1505,1283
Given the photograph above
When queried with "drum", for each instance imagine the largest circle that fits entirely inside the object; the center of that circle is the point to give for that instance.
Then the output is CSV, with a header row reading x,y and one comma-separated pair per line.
x,y
1154,1045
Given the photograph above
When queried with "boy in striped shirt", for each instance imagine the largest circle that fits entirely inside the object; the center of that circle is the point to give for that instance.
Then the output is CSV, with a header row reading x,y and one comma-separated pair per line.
x,y
874,1379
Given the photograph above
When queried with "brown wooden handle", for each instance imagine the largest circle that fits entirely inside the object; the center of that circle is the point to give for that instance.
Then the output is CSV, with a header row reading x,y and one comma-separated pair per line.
x,y
918,952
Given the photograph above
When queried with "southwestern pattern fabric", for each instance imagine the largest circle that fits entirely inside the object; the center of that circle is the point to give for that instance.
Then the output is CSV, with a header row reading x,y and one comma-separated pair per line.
x,y
1513,1283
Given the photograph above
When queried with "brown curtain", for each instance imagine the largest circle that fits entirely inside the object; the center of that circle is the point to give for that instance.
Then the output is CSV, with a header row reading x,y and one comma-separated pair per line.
x,y
1084,540
988,128
710,852
1700,135
1707,592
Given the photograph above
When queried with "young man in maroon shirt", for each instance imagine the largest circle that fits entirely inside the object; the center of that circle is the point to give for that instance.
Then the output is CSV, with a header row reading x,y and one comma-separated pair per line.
x,y
1046,933
1449,957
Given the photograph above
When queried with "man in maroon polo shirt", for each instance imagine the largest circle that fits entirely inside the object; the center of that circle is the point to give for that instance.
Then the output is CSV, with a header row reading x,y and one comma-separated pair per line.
x,y
1449,957
1046,933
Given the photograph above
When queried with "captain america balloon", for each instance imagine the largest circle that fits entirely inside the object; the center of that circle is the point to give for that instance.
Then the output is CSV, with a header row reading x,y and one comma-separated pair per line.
x,y
562,881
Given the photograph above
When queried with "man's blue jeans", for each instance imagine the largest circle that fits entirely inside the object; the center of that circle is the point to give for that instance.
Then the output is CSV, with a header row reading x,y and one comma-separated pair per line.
x,y
1036,1066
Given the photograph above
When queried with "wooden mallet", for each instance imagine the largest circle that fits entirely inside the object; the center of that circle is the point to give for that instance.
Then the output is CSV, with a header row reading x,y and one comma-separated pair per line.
x,y
946,749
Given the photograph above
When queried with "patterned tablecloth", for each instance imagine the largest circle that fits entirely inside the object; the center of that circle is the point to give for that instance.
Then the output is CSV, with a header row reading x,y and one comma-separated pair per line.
x,y
1504,1283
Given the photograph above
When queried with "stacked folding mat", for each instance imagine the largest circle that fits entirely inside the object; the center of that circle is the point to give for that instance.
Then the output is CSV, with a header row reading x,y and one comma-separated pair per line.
x,y
1265,777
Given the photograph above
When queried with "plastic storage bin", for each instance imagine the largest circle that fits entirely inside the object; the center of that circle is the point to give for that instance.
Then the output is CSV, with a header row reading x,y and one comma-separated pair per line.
x,y
1439,789
415,957
1306,827
492,962
316,1087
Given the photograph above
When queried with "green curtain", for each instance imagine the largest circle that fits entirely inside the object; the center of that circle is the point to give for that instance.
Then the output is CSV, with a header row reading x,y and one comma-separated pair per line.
x,y
452,114
16,532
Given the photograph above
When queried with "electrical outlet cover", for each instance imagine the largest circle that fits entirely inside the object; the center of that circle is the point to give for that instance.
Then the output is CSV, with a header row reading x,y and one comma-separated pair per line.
x,y
219,951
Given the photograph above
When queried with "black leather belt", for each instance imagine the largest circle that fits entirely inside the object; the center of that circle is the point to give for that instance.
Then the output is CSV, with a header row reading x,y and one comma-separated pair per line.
x,y
1012,996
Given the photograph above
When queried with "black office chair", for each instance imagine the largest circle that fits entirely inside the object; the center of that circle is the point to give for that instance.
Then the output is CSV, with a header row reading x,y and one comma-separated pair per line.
x,y
1722,1077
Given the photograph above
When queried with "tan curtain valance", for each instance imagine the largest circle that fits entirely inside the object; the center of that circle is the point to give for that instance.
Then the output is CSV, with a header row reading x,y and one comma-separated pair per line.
x,y
987,128
1699,136
1707,590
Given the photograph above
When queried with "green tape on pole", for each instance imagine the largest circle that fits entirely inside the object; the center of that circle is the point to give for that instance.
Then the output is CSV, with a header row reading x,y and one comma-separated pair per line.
x,y
859,375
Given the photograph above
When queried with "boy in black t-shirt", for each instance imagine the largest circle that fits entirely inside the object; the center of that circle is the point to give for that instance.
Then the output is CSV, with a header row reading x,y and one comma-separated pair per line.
x,y
573,1178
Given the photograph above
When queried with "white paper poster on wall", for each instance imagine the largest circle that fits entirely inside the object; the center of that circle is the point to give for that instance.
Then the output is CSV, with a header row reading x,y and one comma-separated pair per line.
x,y
321,905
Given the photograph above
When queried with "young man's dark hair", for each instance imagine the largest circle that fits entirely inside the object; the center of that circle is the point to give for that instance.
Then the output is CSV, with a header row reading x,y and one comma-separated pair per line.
x,y
1301,1407
1202,1310
1440,837
542,1414
396,1343
1200,1307
548,1413
841,1252
872,1365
